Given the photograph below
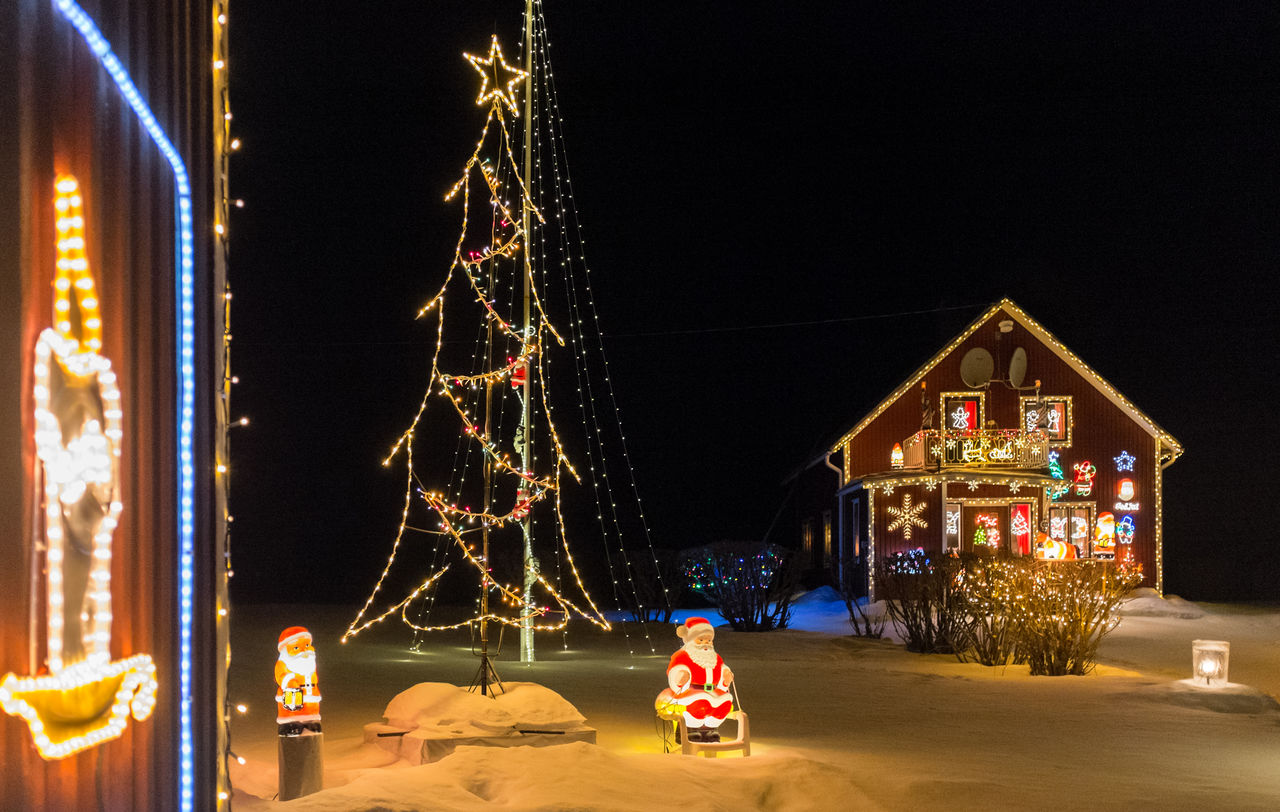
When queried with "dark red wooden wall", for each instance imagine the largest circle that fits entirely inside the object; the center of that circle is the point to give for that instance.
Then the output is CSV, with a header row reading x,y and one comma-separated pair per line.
x,y
60,112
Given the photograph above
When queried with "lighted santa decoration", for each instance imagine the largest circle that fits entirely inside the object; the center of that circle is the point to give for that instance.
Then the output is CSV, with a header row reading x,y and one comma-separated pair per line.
x,y
297,688
698,681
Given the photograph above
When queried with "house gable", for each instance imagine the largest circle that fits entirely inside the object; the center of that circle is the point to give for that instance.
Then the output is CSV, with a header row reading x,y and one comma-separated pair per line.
x,y
1006,308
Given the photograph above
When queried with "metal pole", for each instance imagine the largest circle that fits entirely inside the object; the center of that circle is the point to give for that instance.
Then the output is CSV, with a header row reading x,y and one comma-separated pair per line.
x,y
526,453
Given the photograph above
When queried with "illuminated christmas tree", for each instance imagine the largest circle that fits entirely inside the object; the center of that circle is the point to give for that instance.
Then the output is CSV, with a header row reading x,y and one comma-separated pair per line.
x,y
511,465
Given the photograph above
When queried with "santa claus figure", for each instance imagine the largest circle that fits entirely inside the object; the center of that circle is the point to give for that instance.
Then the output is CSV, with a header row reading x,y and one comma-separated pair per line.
x,y
297,689
698,681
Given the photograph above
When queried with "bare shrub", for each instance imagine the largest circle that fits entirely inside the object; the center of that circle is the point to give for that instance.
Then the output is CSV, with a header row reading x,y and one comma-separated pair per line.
x,y
865,624
658,583
750,583
922,599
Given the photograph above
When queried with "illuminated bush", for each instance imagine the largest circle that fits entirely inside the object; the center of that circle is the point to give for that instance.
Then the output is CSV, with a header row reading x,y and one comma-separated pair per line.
x,y
989,627
751,584
1065,608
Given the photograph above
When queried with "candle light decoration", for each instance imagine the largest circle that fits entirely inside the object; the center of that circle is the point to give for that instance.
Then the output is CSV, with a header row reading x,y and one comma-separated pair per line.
x,y
85,699
1209,660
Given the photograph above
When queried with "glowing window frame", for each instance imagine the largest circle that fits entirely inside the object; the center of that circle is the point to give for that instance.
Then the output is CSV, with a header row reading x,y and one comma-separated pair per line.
x,y
185,262
980,396
1067,414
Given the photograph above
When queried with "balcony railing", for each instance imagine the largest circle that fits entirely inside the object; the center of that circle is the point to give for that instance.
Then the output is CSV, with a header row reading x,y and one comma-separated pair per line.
x,y
990,448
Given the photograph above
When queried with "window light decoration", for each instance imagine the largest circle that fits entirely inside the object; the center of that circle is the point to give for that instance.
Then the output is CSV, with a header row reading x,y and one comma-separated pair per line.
x,y
1209,660
85,699
1085,472
895,458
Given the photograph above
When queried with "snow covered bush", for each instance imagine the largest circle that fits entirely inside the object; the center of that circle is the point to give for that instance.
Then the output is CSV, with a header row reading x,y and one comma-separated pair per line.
x,y
750,583
1065,608
922,598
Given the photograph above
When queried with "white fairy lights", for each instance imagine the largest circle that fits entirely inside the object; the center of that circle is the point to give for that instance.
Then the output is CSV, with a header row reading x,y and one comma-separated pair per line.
x,y
477,268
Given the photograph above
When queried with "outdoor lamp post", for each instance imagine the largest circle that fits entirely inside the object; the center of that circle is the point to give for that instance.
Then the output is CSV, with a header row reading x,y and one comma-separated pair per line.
x,y
1209,660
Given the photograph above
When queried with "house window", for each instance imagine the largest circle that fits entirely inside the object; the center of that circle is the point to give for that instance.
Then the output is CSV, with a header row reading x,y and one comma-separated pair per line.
x,y
806,537
951,533
1073,524
1052,415
826,534
962,411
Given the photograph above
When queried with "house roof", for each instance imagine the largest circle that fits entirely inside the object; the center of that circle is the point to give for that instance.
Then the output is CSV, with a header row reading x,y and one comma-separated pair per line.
x,y
1049,340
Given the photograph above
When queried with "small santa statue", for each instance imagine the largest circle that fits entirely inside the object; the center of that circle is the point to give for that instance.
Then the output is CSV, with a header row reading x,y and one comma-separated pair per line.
x,y
698,681
297,689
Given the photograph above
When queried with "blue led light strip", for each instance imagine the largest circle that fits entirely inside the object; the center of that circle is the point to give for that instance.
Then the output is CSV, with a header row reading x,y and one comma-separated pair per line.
x,y
186,376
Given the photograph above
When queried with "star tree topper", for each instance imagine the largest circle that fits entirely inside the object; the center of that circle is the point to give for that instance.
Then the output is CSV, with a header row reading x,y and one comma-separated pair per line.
x,y
491,70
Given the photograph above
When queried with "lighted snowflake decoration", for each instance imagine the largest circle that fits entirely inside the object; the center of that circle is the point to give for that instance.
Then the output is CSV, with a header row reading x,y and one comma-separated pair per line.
x,y
887,490
931,485
951,442
907,516
1014,487
1125,461
973,484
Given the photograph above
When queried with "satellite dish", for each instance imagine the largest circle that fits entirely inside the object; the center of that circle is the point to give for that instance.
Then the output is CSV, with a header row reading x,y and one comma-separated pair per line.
x,y
1017,367
976,368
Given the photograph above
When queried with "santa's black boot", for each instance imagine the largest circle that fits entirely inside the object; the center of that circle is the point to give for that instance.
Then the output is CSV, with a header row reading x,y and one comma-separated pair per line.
x,y
710,734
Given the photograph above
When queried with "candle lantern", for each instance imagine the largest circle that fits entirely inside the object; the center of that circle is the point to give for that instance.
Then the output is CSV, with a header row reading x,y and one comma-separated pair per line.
x,y
1209,660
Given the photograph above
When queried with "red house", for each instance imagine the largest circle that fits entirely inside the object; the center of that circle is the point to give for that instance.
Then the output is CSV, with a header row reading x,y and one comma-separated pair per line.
x,y
1004,440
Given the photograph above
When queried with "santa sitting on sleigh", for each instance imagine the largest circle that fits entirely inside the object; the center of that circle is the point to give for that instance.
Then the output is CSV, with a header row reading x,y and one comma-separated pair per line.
x,y
698,682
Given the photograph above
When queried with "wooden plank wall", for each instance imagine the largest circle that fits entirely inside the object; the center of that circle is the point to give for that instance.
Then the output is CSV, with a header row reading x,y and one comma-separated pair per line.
x,y
63,113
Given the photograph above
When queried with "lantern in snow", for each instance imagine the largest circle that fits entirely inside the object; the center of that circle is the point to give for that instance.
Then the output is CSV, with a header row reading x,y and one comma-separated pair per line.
x,y
1209,660
895,458
297,686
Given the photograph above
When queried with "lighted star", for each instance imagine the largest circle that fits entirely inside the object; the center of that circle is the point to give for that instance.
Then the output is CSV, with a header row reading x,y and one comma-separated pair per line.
x,y
491,70
1125,461
907,516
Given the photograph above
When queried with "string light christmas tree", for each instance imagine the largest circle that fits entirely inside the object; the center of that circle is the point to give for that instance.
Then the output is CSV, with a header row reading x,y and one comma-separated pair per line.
x,y
508,480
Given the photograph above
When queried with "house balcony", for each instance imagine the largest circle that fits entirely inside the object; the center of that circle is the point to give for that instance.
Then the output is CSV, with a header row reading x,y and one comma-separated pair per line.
x,y
990,448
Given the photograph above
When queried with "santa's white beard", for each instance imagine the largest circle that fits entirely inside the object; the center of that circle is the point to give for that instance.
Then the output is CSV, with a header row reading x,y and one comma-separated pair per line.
x,y
303,662
704,656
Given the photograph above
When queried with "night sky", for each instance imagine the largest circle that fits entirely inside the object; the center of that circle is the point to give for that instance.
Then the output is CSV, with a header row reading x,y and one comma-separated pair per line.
x,y
788,209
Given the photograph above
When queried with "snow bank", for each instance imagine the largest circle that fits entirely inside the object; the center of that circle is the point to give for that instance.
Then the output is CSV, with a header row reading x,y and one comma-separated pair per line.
x,y
449,708
1146,602
583,776
1223,698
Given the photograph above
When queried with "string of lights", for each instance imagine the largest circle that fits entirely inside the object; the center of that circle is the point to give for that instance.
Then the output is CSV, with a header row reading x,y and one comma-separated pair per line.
x,y
573,247
480,270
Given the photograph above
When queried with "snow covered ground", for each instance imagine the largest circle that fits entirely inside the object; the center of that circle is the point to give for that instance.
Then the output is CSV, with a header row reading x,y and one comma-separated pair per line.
x,y
837,723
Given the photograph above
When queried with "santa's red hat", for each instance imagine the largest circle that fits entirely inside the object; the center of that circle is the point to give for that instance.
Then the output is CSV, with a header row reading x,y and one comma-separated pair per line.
x,y
694,627
290,634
